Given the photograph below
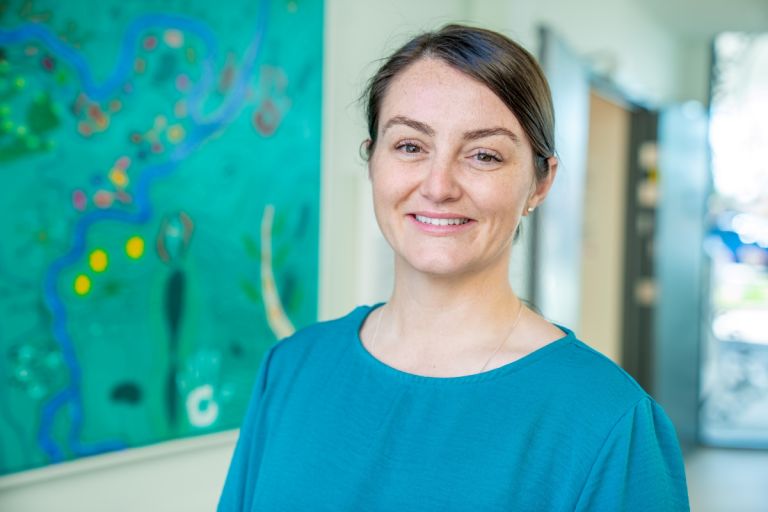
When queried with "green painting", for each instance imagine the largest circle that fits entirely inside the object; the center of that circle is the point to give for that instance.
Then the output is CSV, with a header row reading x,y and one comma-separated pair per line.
x,y
159,205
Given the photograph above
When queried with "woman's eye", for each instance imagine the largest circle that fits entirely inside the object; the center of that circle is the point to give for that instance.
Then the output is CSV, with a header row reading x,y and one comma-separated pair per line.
x,y
487,158
408,147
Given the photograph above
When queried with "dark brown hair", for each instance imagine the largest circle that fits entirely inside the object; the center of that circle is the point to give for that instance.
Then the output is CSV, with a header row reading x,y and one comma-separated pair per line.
x,y
492,59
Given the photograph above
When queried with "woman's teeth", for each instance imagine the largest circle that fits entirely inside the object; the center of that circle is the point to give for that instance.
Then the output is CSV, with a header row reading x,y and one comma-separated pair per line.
x,y
441,222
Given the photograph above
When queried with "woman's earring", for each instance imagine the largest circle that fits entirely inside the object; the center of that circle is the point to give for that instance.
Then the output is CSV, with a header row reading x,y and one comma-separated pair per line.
x,y
530,209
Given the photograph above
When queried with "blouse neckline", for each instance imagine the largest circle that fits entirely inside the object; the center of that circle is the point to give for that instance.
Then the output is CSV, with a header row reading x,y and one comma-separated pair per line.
x,y
362,312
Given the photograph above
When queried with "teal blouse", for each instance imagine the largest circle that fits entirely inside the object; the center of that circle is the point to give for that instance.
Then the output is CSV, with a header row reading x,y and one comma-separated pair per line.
x,y
331,428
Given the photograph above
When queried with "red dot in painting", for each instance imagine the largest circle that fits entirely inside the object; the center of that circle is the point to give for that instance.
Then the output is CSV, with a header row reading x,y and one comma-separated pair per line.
x,y
136,137
150,43
266,119
182,82
94,112
123,162
84,129
79,200
123,197
48,63
103,199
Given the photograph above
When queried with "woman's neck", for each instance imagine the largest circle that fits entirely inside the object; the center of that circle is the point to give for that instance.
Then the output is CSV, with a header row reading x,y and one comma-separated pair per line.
x,y
446,326
450,312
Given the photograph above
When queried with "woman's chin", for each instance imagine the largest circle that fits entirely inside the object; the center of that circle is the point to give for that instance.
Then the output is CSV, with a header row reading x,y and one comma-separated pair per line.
x,y
441,266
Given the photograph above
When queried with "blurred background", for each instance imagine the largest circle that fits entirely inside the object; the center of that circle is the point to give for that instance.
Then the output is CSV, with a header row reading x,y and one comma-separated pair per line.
x,y
653,245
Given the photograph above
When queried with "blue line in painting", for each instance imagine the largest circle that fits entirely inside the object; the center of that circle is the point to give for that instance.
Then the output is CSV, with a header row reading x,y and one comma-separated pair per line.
x,y
124,66
230,108
71,395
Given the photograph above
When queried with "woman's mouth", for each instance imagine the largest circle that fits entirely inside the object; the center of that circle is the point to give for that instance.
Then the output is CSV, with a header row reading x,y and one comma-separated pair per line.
x,y
441,221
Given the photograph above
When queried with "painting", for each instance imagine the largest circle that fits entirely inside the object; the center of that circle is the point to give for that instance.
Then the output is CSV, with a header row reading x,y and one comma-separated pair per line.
x,y
159,212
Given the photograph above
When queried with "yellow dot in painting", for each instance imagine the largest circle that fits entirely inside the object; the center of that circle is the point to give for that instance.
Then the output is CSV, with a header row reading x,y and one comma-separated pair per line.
x,y
82,284
134,247
175,133
118,177
98,260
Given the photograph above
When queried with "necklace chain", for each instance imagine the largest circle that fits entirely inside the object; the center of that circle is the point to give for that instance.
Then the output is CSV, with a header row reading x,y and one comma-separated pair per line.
x,y
509,335
487,362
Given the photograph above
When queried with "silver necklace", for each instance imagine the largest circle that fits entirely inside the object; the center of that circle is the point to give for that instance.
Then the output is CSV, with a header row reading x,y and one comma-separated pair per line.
x,y
503,342
509,335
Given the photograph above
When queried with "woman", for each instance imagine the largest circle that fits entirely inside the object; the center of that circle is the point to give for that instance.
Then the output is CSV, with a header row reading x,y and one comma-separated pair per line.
x,y
453,395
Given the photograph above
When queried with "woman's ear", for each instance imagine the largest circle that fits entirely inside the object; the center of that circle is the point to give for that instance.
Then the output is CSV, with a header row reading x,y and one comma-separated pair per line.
x,y
543,185
365,149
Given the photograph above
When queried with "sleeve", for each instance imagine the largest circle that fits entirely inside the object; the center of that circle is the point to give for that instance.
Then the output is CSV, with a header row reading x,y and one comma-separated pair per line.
x,y
243,470
639,467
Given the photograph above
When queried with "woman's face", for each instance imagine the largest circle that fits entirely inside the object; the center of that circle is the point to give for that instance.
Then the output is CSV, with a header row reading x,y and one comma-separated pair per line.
x,y
452,172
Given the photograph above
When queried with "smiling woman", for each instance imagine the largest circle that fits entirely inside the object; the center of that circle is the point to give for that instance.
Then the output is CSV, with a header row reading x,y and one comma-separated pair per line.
x,y
453,395
452,173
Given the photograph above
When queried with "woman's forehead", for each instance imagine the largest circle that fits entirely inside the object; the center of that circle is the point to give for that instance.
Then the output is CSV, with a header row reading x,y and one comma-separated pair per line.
x,y
434,93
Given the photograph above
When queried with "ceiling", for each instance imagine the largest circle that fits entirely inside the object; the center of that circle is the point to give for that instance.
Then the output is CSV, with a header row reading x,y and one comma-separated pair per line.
x,y
702,19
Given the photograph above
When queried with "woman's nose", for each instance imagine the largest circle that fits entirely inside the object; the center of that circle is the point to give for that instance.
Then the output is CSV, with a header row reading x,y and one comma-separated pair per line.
x,y
439,184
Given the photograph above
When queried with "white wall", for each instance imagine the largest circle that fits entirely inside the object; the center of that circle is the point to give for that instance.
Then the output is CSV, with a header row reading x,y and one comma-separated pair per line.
x,y
187,475
619,37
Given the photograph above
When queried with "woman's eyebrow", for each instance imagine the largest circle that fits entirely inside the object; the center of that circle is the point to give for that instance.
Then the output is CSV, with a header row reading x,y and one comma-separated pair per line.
x,y
407,121
470,135
488,132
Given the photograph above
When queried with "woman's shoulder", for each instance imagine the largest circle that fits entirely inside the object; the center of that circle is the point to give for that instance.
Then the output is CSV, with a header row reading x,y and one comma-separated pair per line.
x,y
577,386
589,378
321,336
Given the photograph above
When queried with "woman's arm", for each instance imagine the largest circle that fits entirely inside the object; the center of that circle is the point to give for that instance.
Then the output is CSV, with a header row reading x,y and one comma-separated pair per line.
x,y
243,470
639,467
